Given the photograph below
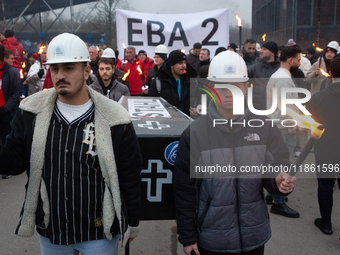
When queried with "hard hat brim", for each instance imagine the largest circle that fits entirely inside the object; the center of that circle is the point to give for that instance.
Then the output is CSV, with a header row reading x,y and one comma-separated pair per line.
x,y
228,79
65,61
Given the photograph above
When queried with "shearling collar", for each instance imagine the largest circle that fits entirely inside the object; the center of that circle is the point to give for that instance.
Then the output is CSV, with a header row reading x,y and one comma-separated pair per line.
x,y
44,102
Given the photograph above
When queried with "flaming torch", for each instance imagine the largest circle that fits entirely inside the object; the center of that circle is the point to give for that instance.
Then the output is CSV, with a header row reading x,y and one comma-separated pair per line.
x,y
317,129
124,50
41,49
239,30
324,73
21,74
97,48
314,44
126,75
264,37
141,76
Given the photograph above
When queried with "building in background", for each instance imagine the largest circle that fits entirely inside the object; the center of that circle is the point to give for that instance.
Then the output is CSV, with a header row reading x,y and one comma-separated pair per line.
x,y
306,21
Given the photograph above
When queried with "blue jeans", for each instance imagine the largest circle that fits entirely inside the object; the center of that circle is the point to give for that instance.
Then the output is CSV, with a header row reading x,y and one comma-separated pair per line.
x,y
290,141
96,247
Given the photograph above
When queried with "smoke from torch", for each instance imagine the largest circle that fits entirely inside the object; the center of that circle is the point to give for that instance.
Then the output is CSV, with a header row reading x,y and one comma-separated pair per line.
x,y
317,129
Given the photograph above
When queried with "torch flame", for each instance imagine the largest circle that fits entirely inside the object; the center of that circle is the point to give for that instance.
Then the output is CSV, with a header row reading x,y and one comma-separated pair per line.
x,y
139,70
124,46
97,48
319,49
324,73
183,51
264,37
314,44
41,49
306,121
126,75
23,65
238,21
251,85
21,74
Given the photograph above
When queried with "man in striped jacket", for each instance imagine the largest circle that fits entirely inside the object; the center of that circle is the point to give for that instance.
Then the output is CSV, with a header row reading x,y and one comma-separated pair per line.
x,y
82,158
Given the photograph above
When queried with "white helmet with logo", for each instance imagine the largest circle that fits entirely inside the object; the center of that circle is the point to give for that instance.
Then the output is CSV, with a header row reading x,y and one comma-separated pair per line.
x,y
334,45
109,53
228,66
161,49
67,48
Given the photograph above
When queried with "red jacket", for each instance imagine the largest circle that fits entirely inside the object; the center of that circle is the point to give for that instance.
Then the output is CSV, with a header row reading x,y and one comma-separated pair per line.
x,y
13,45
149,64
135,80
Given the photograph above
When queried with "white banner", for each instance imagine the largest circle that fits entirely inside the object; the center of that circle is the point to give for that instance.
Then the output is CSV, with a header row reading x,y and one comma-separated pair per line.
x,y
145,31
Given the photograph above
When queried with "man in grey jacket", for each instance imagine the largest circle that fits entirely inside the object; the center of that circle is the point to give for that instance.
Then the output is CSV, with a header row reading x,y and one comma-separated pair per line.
x,y
107,83
82,158
220,206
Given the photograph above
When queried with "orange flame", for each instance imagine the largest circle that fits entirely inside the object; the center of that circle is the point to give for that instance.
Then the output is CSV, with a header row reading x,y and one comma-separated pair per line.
x,y
306,121
238,21
183,51
23,52
139,70
319,49
304,55
126,75
251,85
21,74
41,49
264,37
23,65
124,46
97,48
324,73
314,44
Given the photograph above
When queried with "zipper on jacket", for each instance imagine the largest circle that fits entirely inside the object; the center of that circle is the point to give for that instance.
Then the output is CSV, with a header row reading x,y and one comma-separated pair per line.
x,y
237,202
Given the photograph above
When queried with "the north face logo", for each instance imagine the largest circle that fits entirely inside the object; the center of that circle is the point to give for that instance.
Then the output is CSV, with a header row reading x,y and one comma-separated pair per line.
x,y
252,137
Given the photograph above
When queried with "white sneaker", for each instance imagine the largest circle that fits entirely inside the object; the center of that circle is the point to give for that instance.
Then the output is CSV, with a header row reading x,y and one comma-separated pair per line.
x,y
297,154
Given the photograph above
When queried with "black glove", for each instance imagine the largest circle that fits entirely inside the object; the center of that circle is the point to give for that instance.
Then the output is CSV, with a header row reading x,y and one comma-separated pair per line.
x,y
2,112
41,73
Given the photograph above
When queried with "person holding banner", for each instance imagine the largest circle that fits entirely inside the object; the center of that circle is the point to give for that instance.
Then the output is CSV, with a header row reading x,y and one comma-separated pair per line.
x,y
133,63
173,81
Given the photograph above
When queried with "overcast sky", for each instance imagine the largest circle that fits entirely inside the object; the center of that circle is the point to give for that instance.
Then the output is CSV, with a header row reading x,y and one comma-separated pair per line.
x,y
240,7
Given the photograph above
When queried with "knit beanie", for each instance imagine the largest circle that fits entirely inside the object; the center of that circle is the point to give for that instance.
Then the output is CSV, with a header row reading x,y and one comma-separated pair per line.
x,y
176,56
272,46
162,55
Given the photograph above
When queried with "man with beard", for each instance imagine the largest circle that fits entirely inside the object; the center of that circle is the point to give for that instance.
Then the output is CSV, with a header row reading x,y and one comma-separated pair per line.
x,y
107,83
314,76
250,55
282,78
82,158
173,81
261,72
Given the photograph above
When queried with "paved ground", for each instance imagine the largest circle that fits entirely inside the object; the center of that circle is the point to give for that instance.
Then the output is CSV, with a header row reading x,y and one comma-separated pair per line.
x,y
289,236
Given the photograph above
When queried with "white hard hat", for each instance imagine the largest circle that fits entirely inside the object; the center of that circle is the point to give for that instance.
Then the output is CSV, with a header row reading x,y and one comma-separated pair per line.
x,y
334,45
161,49
109,53
67,48
258,47
228,66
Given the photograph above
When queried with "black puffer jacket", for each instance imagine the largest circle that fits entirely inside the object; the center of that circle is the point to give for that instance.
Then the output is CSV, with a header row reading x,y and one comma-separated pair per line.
x,y
324,107
260,74
226,214
169,87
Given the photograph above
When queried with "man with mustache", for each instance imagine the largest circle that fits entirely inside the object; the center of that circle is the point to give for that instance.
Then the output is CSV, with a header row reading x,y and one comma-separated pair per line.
x,y
82,158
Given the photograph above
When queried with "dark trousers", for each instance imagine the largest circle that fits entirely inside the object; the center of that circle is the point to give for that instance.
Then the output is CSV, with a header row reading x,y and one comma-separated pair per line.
x,y
326,182
257,251
5,127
